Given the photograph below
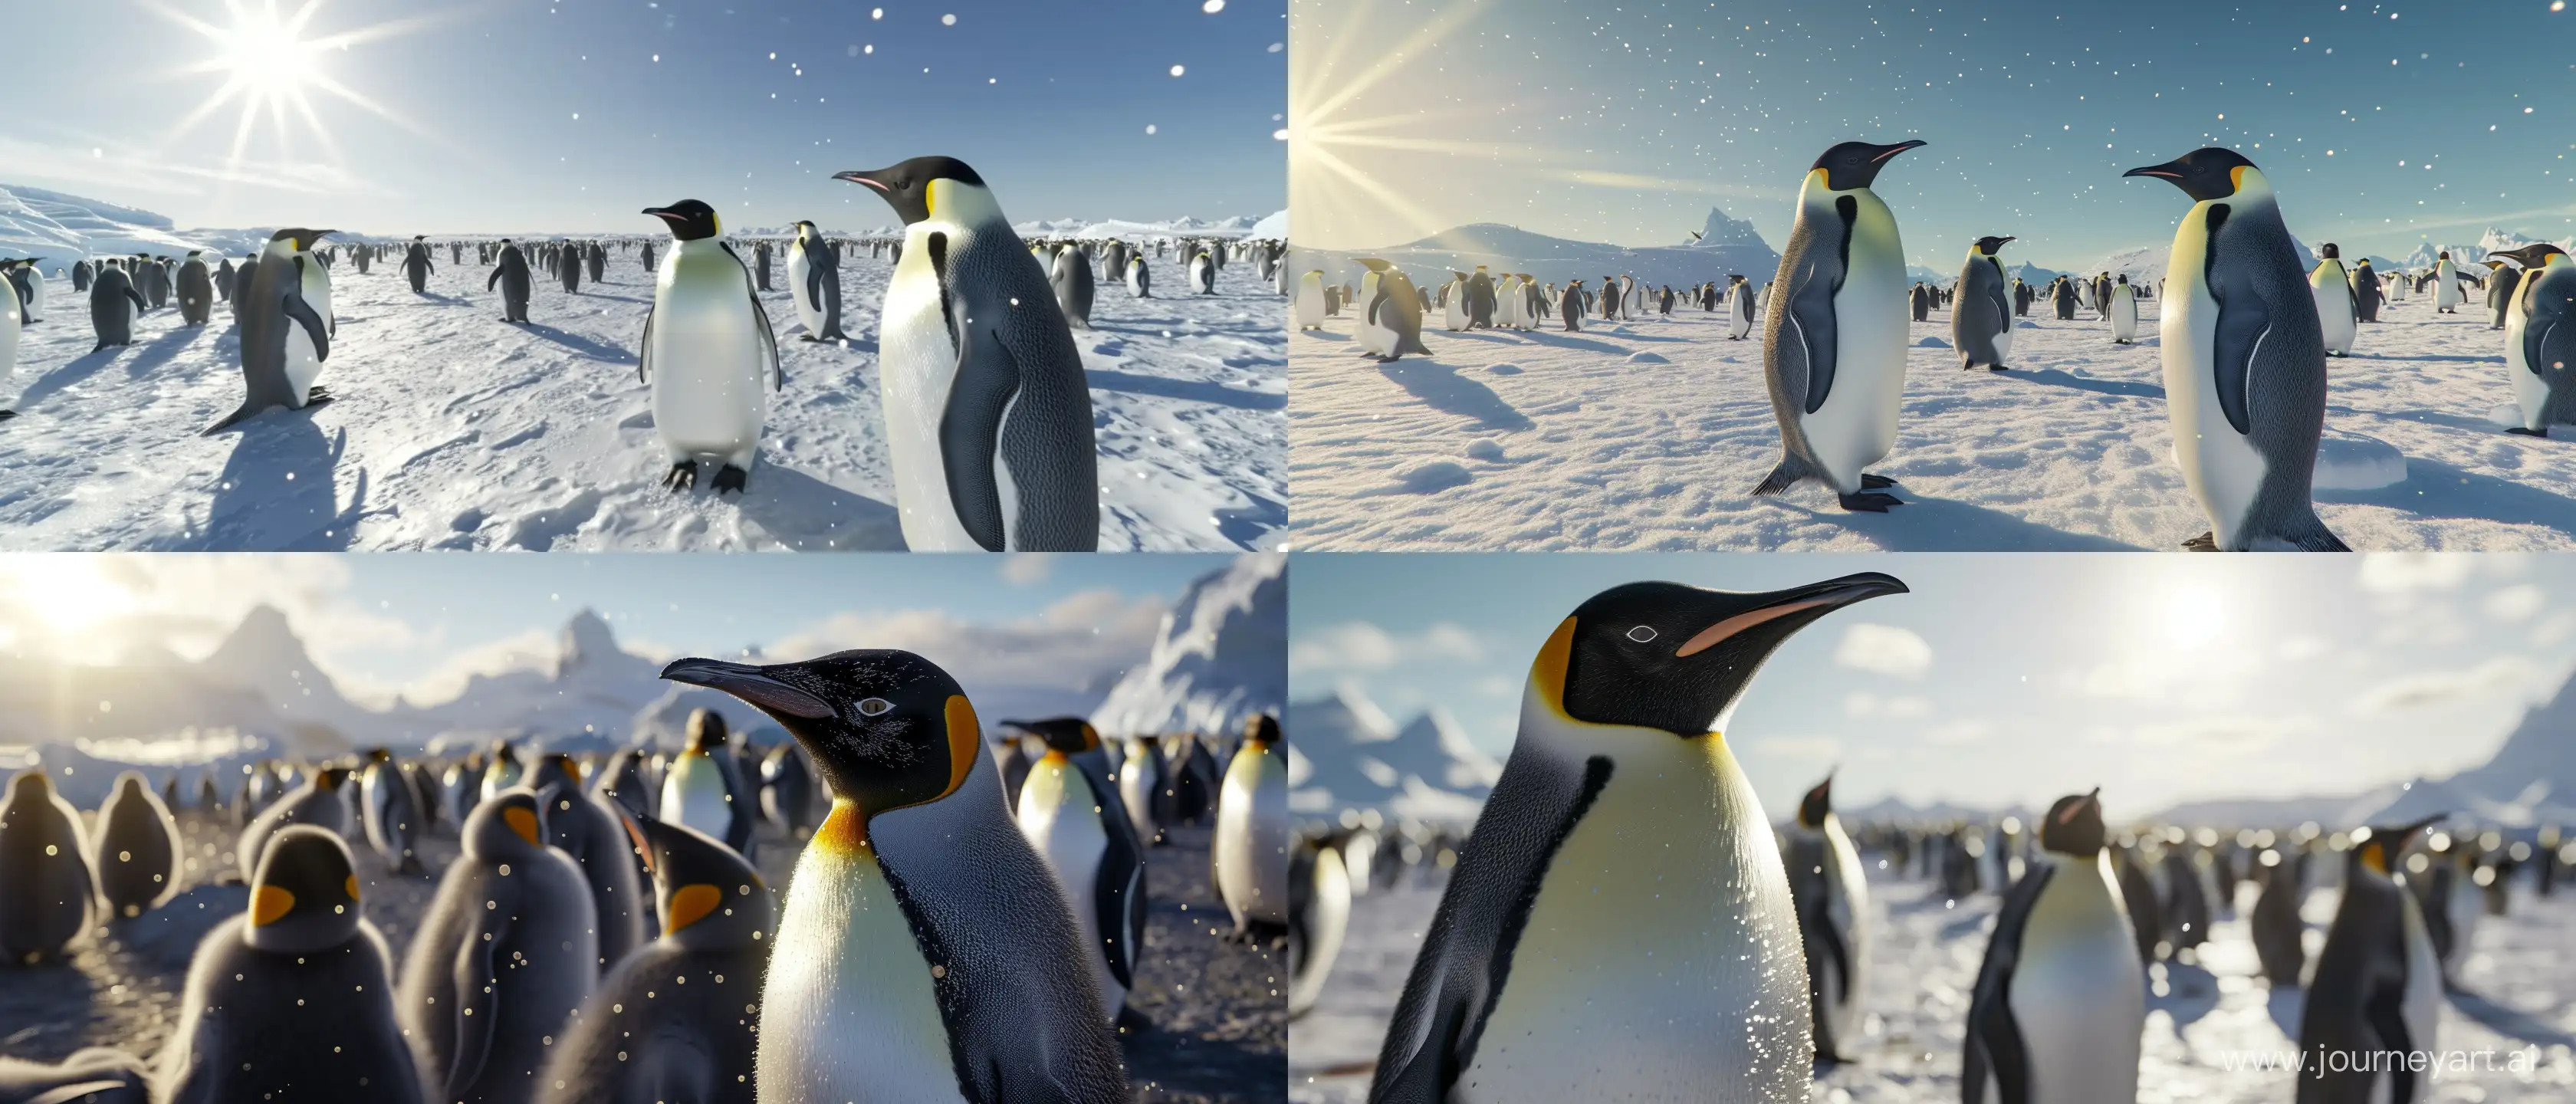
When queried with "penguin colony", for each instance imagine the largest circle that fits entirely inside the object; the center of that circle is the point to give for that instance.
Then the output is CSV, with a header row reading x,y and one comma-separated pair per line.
x,y
605,936
986,409
2245,336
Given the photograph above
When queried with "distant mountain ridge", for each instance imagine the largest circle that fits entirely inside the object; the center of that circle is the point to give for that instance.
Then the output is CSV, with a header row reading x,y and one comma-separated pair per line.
x,y
1728,246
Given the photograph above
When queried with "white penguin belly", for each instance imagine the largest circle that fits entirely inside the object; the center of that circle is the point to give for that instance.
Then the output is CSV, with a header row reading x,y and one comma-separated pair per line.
x,y
808,312
849,1012
9,325
1061,818
916,362
1310,304
2446,287
2421,1006
2334,307
1676,858
1251,845
2077,995
2218,464
2530,392
709,370
694,796
1847,908
1857,424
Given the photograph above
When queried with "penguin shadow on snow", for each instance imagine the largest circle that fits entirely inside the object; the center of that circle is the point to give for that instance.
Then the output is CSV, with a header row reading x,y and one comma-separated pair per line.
x,y
2191,992
2433,490
1927,524
1248,524
1327,335
1553,341
1441,388
2509,1022
146,357
279,491
2059,377
810,515
51,999
1214,394
592,349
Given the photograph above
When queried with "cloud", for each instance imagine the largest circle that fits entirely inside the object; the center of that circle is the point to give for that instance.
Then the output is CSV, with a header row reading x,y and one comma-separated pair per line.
x,y
2496,677
2407,572
1358,646
1081,644
1027,568
1899,707
1884,650
1960,732
2516,603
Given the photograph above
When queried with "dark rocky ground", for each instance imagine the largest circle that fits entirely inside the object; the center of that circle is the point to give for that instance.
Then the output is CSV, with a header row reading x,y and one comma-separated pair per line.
x,y
1219,1020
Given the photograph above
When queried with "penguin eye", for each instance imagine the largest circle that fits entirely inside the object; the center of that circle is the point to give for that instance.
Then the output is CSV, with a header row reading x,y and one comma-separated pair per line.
x,y
1642,634
874,707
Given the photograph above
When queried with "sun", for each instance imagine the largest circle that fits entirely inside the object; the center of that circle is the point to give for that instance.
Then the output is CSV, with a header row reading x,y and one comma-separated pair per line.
x,y
272,64
2194,616
68,594
265,52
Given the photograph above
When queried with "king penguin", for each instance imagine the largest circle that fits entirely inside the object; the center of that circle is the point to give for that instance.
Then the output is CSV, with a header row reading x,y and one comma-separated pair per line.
x,y
814,281
138,849
1833,348
317,802
708,352
1249,853
1621,890
390,810
293,1001
2377,987
2540,338
2337,317
2060,1003
988,415
1832,897
2244,366
1981,325
1071,813
583,827
45,871
704,788
925,954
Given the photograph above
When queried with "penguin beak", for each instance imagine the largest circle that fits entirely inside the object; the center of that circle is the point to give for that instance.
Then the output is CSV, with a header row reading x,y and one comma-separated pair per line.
x,y
868,178
663,213
1885,152
751,684
1826,596
2169,170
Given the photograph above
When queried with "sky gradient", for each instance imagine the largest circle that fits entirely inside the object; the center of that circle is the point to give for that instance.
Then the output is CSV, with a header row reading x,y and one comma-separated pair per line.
x,y
1626,122
572,115
2012,678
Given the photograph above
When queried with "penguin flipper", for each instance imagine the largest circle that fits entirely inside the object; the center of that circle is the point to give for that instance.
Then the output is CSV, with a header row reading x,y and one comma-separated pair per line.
x,y
472,975
305,316
1118,889
644,352
1994,1046
2243,320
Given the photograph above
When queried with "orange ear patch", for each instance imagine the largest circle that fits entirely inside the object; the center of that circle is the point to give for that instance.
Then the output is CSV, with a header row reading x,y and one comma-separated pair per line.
x,y
352,887
1547,672
269,904
690,904
522,821
965,740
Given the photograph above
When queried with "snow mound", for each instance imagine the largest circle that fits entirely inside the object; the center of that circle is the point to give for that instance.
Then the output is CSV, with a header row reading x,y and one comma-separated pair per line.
x,y
1648,358
1431,478
2351,462
1220,659
1932,343
1273,227
1503,369
2508,415
1486,449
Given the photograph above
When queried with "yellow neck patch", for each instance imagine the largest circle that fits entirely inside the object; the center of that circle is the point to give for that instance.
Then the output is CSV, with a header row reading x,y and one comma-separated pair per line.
x,y
2375,856
522,821
846,829
2236,176
1547,672
270,904
965,738
690,904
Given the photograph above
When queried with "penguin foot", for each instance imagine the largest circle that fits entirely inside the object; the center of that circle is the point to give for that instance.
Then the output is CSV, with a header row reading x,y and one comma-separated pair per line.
x,y
807,337
1870,503
1873,482
731,478
683,476
2540,432
1997,368
315,398
2206,542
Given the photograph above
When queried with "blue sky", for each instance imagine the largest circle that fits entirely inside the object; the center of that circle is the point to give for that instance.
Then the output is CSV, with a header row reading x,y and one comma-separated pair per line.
x,y
570,115
1624,122
2013,678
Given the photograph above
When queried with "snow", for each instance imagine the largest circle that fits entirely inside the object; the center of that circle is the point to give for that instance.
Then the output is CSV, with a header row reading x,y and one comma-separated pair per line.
x,y
453,430
1216,663
2519,995
2070,451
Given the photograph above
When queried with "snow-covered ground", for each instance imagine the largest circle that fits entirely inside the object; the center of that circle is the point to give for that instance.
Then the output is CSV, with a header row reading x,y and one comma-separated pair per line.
x,y
452,429
2519,994
1651,434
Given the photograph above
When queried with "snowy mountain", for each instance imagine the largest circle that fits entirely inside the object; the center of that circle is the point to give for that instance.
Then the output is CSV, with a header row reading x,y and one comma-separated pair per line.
x,y
1503,248
1219,660
62,229
1344,752
2146,264
1232,226
2489,240
1722,232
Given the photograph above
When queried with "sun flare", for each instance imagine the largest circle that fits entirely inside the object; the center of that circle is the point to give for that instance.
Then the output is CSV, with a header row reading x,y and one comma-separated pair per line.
x,y
266,53
272,63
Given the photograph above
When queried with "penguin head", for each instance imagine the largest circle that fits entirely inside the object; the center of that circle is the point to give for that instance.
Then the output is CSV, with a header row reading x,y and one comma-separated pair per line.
x,y
2207,173
1817,805
1062,735
511,823
2531,256
2379,848
304,896
926,186
1674,657
707,731
888,729
130,785
1853,165
1989,246
2073,826
2328,251
556,771
1261,731
709,896
328,779
690,220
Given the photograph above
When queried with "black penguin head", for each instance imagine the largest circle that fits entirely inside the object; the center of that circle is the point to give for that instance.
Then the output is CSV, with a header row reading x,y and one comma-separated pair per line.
x,y
304,896
707,731
328,779
2073,826
2207,173
556,771
1819,803
691,220
2329,252
1262,730
710,897
2529,256
2380,850
888,729
1675,657
2446,255
1992,245
1068,735
908,187
1855,164
512,823
130,785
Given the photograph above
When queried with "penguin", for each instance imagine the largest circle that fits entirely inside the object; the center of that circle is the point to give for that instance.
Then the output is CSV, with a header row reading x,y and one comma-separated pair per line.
x,y
679,1018
596,257
390,810
196,290
1739,308
503,957
1140,279
583,827
1310,308
82,273
622,782
787,789
45,871
1143,785
2138,892
2336,312
1319,914
113,304
463,788
278,365
293,1000
317,802
760,264
646,256
1981,322
2366,292
2185,907
2377,987
814,280
1391,313
1014,760
1202,273
703,789
2060,1003
2446,286
925,953
503,772
305,351
1832,898
1833,348
988,417
511,275
2540,338
2501,280
708,348
568,267
2275,922
92,1075
1071,813
2123,310
2239,344
1570,307
2063,299
1249,851
417,265
1194,781
1621,812
1453,303
138,850
1071,282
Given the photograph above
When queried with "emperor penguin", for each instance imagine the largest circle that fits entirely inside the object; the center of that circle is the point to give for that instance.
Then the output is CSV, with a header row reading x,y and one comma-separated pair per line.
x,y
138,850
1249,852
693,992
390,810
1310,300
2446,286
1202,272
46,884
13,319
510,274
1981,325
622,782
582,826
196,290
2337,316
502,959
1453,303
814,280
2060,1003
503,772
2367,293
2244,367
2123,310
2502,277
704,788
1831,893
2275,925
294,1000
988,414
113,305
1072,284
1319,913
1391,313
1144,783
1140,279
1071,813
926,953
708,352
417,265
2540,338
2377,986
285,336
1622,890
317,802
1833,348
